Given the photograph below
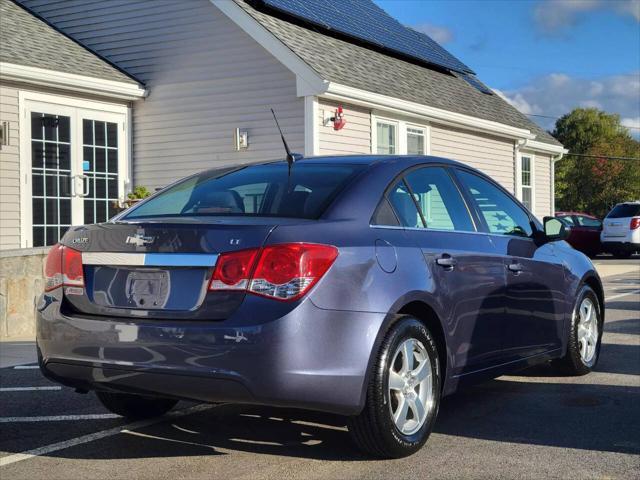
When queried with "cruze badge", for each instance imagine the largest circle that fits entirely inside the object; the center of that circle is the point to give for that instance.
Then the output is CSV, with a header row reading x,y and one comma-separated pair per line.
x,y
139,240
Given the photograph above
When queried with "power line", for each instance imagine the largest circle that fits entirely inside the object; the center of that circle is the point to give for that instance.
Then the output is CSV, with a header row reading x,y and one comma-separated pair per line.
x,y
558,118
608,157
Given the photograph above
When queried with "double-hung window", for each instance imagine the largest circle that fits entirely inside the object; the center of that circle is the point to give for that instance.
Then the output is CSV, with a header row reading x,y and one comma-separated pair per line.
x,y
416,140
387,137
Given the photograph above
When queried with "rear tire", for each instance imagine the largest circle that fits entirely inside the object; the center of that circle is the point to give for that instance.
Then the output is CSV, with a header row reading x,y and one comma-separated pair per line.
x,y
585,335
400,385
135,407
622,254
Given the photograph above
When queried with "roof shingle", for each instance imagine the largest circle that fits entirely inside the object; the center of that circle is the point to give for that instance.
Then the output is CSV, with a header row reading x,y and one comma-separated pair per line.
x,y
27,40
348,64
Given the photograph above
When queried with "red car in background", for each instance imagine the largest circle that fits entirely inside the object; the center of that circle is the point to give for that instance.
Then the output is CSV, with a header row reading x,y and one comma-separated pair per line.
x,y
585,232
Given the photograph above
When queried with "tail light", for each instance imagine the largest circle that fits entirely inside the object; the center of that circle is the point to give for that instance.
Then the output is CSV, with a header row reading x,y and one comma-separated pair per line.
x,y
233,270
63,267
635,223
283,272
53,268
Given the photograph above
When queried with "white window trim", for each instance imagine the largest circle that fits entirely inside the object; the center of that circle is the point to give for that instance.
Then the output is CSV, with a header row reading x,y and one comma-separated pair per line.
x,y
74,107
519,178
401,133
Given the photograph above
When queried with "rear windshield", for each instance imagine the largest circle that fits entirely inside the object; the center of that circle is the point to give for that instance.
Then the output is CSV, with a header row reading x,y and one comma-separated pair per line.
x,y
625,210
258,190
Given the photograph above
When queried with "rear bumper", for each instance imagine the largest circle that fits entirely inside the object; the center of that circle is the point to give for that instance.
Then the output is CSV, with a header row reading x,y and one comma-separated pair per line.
x,y
310,358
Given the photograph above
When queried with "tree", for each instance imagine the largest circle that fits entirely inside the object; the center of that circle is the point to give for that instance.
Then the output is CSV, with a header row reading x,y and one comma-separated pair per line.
x,y
595,184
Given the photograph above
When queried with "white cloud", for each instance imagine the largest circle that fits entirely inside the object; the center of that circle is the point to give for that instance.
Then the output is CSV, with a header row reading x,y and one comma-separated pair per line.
x,y
631,7
517,100
440,34
553,16
557,94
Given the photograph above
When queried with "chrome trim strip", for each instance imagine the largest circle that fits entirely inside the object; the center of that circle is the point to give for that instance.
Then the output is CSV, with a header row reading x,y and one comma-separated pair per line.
x,y
112,258
150,259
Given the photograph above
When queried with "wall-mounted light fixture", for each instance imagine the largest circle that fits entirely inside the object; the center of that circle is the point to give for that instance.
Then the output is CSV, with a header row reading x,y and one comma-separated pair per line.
x,y
241,139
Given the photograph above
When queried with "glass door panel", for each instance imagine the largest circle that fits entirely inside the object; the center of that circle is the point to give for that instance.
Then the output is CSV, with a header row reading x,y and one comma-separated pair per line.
x,y
51,177
100,169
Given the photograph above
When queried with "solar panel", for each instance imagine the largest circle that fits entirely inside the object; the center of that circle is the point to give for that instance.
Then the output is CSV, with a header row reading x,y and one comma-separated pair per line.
x,y
365,21
475,83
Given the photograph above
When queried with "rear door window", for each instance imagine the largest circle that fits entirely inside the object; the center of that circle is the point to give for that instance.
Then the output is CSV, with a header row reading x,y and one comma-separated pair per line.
x,y
439,200
257,190
501,213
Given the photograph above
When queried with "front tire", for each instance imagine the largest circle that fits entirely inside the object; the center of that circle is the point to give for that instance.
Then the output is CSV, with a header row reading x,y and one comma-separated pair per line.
x,y
135,407
585,335
403,395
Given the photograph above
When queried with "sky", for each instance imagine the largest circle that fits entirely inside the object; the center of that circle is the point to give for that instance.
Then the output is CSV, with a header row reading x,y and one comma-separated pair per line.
x,y
545,56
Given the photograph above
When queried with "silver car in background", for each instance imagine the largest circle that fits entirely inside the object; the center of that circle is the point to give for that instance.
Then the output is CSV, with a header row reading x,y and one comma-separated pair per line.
x,y
621,230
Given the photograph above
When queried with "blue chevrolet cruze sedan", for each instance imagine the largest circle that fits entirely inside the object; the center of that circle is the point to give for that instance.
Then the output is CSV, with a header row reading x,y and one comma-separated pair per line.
x,y
366,286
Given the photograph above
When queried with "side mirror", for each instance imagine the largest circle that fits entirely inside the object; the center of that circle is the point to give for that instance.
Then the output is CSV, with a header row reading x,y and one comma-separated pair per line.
x,y
555,230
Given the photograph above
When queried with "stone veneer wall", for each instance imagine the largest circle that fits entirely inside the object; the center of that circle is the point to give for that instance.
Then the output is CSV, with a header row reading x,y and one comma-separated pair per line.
x,y
21,282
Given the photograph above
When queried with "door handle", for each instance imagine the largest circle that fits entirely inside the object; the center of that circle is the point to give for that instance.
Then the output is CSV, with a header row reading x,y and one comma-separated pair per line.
x,y
446,261
515,267
84,179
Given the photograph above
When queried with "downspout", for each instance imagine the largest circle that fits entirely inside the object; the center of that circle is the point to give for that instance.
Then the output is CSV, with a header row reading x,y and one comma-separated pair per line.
x,y
520,143
555,159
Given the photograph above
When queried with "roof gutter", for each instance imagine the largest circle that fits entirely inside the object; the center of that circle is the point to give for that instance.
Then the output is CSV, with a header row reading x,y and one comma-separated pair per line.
x,y
557,151
383,102
71,81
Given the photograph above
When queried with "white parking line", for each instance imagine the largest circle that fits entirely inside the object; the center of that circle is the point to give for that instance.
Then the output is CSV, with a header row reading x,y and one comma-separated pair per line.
x,y
26,367
28,389
59,418
54,447
615,297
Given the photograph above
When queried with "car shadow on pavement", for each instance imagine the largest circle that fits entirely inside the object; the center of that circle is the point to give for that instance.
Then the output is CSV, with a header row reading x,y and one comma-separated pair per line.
x,y
509,409
564,415
614,358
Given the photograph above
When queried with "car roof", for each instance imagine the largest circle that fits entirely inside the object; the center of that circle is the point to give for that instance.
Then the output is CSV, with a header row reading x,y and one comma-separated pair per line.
x,y
371,159
576,213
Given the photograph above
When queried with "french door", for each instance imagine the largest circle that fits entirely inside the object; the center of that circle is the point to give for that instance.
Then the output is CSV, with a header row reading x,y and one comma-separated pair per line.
x,y
76,169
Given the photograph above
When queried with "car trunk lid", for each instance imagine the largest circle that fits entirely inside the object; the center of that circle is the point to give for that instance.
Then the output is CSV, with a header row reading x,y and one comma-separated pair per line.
x,y
159,269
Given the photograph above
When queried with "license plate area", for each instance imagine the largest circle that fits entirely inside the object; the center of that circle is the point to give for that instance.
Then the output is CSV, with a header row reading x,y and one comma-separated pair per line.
x,y
148,289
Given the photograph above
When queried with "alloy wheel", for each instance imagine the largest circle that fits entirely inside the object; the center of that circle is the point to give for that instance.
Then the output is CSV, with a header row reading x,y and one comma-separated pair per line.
x,y
587,330
411,393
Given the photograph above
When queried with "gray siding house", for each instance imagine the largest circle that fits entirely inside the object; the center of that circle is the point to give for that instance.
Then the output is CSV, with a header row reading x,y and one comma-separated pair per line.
x,y
199,69
99,96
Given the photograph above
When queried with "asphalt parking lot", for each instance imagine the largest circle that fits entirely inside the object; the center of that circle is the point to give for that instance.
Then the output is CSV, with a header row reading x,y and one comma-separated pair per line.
x,y
535,425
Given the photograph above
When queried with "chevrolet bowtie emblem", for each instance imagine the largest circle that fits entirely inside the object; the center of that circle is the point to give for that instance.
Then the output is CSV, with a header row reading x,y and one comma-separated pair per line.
x,y
139,240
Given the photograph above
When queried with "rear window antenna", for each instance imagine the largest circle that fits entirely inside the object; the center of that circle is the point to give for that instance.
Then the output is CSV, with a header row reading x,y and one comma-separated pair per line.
x,y
291,157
